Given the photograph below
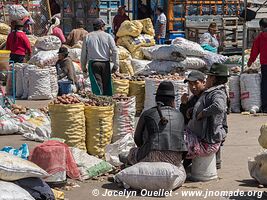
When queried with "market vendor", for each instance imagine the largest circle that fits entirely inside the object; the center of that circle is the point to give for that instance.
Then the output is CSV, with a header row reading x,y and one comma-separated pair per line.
x,y
159,135
55,30
119,19
18,43
65,69
77,34
208,40
98,49
160,26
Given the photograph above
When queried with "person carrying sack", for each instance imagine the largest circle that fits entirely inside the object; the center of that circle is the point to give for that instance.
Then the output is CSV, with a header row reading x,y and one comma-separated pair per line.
x,y
98,47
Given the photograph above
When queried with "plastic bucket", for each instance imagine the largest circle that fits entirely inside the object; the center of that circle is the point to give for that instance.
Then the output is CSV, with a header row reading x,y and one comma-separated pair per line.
x,y
64,87
4,60
204,168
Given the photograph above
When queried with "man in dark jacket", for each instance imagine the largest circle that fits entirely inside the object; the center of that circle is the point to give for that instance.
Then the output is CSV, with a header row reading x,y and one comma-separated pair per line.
x,y
159,135
196,83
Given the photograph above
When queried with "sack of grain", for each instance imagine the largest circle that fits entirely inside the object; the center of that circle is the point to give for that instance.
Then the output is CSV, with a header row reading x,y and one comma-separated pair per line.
x,y
250,85
126,67
19,68
212,58
17,12
68,123
13,168
140,66
26,79
148,51
4,28
99,130
123,53
137,89
88,165
168,52
189,48
130,28
148,27
234,94
133,43
122,147
39,84
47,43
258,167
124,118
44,58
152,176
53,81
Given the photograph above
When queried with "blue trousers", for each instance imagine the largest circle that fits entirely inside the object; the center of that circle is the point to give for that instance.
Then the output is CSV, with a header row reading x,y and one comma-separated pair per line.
x,y
160,41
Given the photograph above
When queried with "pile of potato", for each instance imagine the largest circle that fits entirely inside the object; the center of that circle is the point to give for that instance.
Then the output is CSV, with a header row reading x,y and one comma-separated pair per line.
x,y
98,101
171,77
120,98
17,110
121,76
44,110
66,99
137,78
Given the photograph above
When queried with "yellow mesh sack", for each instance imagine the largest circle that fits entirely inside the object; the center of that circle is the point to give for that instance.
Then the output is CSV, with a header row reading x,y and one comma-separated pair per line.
x,y
130,28
148,27
137,89
126,67
120,86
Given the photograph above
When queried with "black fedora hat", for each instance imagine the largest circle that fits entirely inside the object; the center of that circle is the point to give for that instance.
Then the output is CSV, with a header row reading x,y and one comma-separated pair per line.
x,y
165,88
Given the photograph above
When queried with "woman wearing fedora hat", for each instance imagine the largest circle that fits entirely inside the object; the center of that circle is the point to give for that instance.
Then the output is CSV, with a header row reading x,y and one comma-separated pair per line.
x,y
208,127
159,135
208,40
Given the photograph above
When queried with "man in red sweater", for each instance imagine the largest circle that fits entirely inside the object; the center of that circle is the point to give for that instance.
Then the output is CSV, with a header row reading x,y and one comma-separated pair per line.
x,y
260,47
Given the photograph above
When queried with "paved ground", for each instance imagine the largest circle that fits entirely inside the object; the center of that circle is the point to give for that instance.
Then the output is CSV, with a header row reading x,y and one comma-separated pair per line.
x,y
240,144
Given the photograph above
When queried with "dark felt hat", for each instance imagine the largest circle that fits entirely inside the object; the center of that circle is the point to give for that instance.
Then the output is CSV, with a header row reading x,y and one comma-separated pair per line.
x,y
165,88
195,76
218,69
63,50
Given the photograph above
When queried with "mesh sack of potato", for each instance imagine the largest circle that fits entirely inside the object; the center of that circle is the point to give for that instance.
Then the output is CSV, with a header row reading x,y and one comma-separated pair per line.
x,y
3,38
130,28
148,27
99,113
32,39
48,43
68,120
123,53
126,67
4,29
138,54
120,85
137,89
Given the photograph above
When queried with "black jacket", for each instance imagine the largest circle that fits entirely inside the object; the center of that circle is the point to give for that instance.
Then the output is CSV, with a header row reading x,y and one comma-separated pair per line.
x,y
151,135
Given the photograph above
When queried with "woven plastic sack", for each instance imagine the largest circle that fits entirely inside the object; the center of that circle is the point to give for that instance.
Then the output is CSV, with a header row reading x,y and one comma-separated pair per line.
x,y
130,28
189,48
234,94
39,84
126,67
11,191
4,29
250,92
236,59
90,166
19,67
99,128
13,168
122,146
148,27
68,123
47,43
139,66
3,39
75,54
263,136
26,79
212,58
151,88
124,118
17,12
152,176
44,58
138,54
148,51
123,53
137,89
120,86
133,43
258,167
33,39
53,81
168,52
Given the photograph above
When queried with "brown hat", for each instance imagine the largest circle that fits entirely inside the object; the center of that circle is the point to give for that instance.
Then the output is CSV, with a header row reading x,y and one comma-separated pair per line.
x,y
122,7
213,26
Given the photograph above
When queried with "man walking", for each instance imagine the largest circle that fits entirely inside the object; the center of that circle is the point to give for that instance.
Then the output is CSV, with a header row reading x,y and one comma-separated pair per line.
x,y
98,48
76,34
160,27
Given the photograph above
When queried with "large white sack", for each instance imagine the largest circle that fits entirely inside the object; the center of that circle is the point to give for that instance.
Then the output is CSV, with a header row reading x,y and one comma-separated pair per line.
x,y
44,58
26,79
212,58
188,48
9,123
39,84
147,51
152,84
140,66
234,94
47,43
17,12
250,85
75,54
122,146
13,168
263,136
152,176
88,165
258,167
124,118
11,191
19,67
53,81
168,52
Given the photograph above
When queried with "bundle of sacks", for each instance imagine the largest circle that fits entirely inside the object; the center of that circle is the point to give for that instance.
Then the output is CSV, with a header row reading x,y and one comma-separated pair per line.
x,y
4,31
182,54
136,34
